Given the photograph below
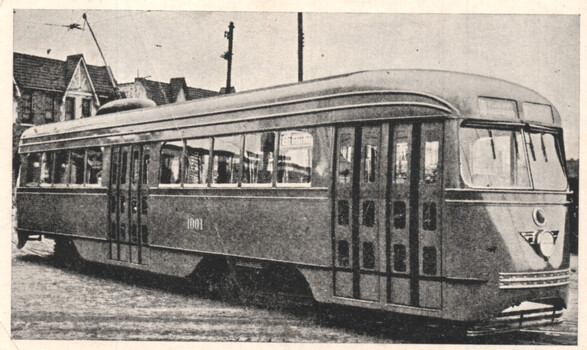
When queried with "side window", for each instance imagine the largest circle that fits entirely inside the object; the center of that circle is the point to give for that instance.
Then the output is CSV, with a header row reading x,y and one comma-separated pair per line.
x,y
146,161
61,167
94,166
402,159
77,166
69,108
370,154
226,161
47,168
258,158
86,107
346,142
294,165
197,157
33,172
123,164
432,135
171,162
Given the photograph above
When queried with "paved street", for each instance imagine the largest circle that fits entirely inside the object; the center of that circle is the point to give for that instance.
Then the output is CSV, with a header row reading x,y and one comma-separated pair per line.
x,y
49,302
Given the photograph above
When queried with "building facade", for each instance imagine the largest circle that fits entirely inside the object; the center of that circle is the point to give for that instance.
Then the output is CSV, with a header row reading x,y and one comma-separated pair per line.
x,y
48,90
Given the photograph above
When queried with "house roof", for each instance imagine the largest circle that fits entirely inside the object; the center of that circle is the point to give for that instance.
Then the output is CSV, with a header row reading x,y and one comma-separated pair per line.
x,y
164,93
196,93
34,72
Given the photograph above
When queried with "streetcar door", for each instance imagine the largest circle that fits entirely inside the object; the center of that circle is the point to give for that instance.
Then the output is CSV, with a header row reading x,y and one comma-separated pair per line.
x,y
413,230
128,238
358,204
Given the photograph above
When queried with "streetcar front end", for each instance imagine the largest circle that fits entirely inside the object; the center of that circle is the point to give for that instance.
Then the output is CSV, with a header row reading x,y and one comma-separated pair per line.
x,y
506,223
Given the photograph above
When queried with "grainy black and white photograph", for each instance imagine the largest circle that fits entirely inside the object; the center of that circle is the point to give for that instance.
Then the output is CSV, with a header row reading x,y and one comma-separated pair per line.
x,y
263,177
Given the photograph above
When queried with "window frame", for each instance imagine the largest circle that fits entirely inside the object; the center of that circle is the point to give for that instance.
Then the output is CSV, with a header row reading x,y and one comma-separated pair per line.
x,y
213,143
87,168
238,182
209,163
181,165
86,103
524,131
67,172
71,113
528,132
27,169
71,181
278,154
500,127
273,181
52,171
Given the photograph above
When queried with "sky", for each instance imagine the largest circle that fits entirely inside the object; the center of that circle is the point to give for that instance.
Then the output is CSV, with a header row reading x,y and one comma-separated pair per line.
x,y
540,52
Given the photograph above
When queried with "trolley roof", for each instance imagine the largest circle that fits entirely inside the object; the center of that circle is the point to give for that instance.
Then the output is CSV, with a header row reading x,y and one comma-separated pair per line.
x,y
454,93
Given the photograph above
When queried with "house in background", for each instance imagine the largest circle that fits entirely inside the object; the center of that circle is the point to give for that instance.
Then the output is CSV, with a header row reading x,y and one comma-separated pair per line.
x,y
163,93
47,90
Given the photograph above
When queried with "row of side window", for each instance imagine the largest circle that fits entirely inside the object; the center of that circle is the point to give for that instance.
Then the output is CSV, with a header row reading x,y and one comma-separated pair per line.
x,y
239,159
64,167
266,158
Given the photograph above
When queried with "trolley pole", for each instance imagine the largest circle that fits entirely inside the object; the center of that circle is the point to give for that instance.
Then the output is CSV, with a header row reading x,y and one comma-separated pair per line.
x,y
228,56
300,48
108,70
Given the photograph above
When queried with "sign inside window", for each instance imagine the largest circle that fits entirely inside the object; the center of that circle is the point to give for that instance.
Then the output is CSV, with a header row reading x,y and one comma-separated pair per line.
x,y
291,139
496,108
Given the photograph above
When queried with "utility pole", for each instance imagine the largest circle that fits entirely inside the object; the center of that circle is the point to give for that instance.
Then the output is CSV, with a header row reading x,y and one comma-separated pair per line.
x,y
300,48
228,56
108,70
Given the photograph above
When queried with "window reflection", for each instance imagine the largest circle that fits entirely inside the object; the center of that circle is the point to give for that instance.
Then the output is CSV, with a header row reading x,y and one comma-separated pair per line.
x,y
226,160
94,166
493,158
171,162
370,156
258,158
401,162
47,168
345,156
431,161
77,167
546,165
294,165
61,163
33,169
196,161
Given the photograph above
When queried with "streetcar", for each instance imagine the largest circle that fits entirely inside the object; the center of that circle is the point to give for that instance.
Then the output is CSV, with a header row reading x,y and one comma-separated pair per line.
x,y
427,193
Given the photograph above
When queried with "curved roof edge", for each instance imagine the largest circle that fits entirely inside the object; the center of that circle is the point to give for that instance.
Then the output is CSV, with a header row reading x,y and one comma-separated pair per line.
x,y
459,90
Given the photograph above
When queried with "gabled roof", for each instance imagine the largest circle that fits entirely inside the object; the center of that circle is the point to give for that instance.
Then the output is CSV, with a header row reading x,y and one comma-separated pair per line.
x,y
164,93
34,72
175,86
195,93
70,64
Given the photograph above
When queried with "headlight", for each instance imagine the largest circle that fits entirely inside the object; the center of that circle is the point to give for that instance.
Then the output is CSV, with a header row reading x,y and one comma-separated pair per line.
x,y
545,241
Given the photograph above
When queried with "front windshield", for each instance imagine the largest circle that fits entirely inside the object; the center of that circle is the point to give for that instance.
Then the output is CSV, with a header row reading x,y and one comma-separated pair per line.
x,y
499,158
493,158
545,162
